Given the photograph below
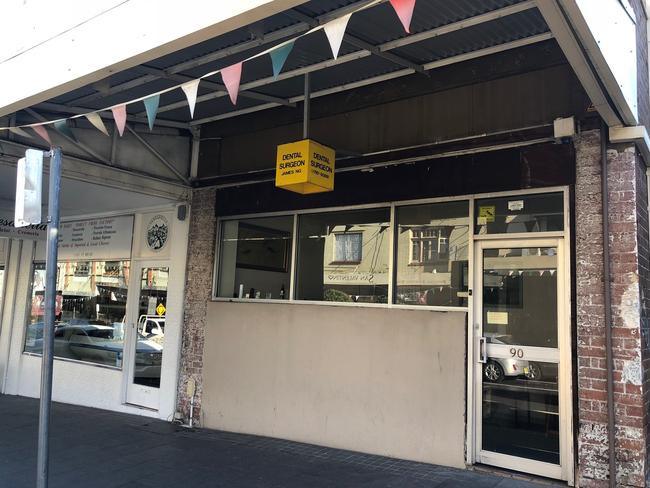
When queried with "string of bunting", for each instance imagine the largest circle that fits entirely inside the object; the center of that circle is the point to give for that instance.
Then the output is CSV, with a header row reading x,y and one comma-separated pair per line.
x,y
231,76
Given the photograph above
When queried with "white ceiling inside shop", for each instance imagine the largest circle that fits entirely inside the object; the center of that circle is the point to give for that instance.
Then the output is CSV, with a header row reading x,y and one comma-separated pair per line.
x,y
78,197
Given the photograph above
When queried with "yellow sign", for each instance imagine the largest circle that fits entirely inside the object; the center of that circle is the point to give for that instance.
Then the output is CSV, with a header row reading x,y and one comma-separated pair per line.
x,y
486,214
305,167
160,310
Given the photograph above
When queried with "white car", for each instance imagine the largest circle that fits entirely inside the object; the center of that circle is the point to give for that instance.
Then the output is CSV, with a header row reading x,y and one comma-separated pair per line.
x,y
496,370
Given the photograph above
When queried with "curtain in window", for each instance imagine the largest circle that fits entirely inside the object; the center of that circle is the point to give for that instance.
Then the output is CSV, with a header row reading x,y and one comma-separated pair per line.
x,y
348,247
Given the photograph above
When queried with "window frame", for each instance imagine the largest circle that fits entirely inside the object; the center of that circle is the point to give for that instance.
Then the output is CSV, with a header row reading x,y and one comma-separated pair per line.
x,y
392,205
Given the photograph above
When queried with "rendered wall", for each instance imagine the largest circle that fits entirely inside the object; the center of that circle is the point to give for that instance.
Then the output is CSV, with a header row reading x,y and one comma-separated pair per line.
x,y
389,382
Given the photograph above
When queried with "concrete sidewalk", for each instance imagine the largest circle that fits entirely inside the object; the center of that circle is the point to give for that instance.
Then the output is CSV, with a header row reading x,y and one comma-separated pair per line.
x,y
98,449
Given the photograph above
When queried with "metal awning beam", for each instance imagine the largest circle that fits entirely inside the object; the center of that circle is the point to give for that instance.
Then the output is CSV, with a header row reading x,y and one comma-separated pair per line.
x,y
396,74
72,141
405,41
149,147
76,110
223,53
360,43
178,78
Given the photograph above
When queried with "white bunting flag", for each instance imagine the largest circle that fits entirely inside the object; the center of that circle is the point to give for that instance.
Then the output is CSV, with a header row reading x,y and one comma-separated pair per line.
x,y
97,122
19,132
191,89
335,30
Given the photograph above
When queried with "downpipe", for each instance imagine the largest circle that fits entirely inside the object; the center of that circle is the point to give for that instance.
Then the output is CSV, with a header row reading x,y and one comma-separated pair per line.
x,y
611,420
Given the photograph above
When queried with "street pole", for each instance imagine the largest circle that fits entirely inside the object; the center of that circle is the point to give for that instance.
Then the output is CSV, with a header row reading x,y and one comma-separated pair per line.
x,y
48,326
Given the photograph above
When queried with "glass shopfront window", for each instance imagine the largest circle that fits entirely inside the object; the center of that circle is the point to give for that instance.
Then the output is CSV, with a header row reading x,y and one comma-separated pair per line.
x,y
411,254
90,311
343,256
255,258
432,254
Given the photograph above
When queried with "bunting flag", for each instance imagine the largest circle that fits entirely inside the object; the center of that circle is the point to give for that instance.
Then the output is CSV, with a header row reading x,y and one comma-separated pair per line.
x,y
335,30
63,127
404,10
97,122
191,89
41,131
231,77
19,132
119,114
279,57
151,106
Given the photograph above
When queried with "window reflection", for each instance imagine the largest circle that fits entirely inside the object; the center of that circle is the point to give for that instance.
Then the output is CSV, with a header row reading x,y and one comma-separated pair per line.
x,y
151,326
520,214
521,416
343,256
89,313
520,295
431,260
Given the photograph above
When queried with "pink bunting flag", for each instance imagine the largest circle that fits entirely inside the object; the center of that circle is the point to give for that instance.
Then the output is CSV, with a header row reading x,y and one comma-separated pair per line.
x,y
42,133
119,114
335,30
231,77
404,10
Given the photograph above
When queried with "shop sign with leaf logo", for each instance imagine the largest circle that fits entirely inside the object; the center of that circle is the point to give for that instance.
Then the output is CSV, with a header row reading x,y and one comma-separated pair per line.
x,y
157,232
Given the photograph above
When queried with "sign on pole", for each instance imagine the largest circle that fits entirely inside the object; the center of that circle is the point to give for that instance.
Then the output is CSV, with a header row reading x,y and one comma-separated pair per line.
x,y
29,183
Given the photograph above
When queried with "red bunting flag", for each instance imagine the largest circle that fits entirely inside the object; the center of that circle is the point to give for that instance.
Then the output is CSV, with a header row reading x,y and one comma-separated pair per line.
x,y
404,10
231,77
119,114
41,131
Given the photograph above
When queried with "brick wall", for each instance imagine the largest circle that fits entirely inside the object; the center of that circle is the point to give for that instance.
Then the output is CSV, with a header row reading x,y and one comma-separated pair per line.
x,y
625,193
198,291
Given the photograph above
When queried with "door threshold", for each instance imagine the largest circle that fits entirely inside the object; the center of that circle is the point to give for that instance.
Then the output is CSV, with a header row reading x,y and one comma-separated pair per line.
x,y
140,407
516,475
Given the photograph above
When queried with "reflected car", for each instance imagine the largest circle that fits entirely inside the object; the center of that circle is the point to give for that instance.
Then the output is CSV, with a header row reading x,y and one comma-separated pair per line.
x,y
97,343
496,370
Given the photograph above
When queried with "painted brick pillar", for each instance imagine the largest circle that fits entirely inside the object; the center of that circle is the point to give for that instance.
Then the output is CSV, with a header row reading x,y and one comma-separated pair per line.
x,y
198,292
628,229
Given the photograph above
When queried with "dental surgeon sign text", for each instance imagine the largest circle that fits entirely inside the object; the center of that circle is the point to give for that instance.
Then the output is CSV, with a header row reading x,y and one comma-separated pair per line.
x,y
305,167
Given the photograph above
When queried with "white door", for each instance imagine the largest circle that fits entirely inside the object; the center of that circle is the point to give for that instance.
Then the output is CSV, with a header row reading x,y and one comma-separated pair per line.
x,y
145,339
522,393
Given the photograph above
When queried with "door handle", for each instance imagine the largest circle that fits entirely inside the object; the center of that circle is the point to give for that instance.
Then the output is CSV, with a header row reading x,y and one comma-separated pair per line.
x,y
482,350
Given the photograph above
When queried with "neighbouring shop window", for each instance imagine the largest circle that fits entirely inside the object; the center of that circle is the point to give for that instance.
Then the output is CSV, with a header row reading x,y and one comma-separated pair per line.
x,y
90,311
432,254
520,214
255,258
343,256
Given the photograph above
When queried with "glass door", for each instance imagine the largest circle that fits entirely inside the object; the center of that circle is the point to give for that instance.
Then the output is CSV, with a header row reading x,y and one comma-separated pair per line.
x,y
146,341
519,320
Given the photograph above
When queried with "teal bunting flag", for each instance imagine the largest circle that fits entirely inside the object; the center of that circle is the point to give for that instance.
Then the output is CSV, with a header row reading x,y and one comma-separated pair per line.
x,y
279,57
151,106
63,127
